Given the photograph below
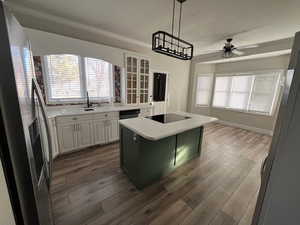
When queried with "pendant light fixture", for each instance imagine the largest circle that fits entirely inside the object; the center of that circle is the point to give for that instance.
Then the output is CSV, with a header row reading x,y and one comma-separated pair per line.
x,y
168,44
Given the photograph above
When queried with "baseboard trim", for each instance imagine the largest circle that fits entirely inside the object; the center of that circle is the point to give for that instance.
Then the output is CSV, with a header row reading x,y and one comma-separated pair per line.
x,y
242,126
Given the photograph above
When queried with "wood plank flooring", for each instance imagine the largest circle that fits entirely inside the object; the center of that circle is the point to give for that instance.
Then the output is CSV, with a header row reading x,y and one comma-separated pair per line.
x,y
219,188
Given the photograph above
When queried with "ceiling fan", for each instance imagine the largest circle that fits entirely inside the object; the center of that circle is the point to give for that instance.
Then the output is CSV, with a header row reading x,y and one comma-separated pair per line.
x,y
230,50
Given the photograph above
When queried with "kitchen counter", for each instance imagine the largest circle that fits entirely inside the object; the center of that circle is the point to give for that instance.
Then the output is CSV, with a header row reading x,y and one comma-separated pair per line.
x,y
153,130
53,111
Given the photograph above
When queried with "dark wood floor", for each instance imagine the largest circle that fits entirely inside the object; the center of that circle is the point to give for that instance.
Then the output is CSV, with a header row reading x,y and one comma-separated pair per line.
x,y
219,188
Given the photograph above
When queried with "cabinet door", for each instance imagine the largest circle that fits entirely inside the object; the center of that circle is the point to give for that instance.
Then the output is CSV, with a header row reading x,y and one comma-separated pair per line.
x,y
144,81
112,130
188,145
131,79
66,137
84,134
100,131
54,140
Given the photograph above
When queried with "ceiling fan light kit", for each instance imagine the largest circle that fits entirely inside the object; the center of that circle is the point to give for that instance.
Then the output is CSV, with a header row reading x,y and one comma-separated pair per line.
x,y
230,50
168,44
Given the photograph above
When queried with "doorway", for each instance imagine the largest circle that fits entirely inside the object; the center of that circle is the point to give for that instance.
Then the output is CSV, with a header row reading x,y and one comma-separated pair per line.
x,y
160,92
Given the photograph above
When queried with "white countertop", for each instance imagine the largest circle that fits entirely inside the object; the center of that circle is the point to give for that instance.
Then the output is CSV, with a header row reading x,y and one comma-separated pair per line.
x,y
54,111
153,130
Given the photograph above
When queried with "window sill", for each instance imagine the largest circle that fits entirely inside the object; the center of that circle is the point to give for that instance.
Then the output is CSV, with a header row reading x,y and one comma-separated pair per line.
x,y
201,106
243,111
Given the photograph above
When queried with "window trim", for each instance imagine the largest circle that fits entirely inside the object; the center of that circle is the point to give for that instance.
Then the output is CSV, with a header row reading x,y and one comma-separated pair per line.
x,y
253,73
83,86
211,75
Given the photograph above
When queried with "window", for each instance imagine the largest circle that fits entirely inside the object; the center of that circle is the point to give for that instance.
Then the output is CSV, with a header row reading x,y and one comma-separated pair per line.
x,y
70,77
263,92
255,92
240,92
63,77
203,91
222,89
98,78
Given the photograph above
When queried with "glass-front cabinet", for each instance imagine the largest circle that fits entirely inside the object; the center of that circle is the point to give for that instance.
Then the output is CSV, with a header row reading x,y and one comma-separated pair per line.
x,y
132,79
137,79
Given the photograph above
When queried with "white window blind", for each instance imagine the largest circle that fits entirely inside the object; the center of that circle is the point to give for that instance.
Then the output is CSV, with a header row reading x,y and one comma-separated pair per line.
x,y
263,93
70,77
222,90
98,78
63,77
252,93
240,92
203,92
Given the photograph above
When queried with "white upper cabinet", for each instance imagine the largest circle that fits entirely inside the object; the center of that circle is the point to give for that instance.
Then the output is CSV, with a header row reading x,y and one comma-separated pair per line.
x,y
137,79
131,79
144,81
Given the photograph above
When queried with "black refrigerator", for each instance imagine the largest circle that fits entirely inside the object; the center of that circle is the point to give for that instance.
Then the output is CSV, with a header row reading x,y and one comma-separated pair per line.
x,y
25,142
279,195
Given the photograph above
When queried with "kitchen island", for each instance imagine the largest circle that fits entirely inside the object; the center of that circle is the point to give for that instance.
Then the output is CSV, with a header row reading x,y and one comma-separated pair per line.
x,y
154,146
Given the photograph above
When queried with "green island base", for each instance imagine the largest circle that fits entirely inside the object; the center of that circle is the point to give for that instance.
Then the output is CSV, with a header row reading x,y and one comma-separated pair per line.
x,y
145,161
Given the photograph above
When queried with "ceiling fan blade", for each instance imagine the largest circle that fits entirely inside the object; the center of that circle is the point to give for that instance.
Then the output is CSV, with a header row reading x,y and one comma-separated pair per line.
x,y
237,52
248,46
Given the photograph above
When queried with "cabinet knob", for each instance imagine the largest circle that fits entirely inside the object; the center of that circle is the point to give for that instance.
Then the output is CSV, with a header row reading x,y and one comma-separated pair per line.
x,y
134,137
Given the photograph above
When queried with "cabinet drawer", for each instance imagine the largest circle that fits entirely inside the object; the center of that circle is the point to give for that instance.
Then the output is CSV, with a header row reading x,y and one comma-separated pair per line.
x,y
108,115
73,119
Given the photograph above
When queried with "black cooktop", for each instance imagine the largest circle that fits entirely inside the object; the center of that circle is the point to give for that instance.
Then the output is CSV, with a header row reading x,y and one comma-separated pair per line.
x,y
168,118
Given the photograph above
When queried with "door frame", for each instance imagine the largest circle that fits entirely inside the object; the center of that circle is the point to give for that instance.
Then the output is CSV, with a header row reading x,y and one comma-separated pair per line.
x,y
167,96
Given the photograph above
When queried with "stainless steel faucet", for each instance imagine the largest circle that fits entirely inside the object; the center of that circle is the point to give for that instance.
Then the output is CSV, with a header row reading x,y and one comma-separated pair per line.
x,y
88,103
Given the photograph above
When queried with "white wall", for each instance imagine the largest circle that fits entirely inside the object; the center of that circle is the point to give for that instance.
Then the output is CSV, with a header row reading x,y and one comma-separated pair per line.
x,y
195,71
44,43
261,122
6,214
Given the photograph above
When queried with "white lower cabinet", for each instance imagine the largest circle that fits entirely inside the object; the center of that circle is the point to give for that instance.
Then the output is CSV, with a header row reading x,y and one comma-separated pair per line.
x,y
66,137
84,134
53,131
100,131
113,130
76,132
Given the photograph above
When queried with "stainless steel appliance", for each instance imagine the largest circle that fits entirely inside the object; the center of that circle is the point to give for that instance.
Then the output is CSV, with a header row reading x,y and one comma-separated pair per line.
x,y
127,114
279,195
168,118
25,142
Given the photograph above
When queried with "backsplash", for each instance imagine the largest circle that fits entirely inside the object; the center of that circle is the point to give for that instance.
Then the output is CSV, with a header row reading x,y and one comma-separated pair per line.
x,y
117,71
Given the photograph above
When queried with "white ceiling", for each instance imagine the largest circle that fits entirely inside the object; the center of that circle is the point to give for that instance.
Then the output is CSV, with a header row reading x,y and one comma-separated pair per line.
x,y
130,23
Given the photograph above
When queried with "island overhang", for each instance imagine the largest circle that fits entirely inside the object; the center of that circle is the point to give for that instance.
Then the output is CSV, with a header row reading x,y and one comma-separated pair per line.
x,y
153,130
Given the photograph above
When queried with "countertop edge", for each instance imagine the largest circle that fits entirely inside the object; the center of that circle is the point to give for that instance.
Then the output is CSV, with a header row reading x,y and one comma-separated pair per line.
x,y
151,138
117,109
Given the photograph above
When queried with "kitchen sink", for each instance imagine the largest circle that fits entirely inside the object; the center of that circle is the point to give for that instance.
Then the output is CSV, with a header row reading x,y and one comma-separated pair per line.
x,y
89,109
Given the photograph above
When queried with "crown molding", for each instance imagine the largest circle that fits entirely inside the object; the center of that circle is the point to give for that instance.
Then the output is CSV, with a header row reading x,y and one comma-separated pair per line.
x,y
23,11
